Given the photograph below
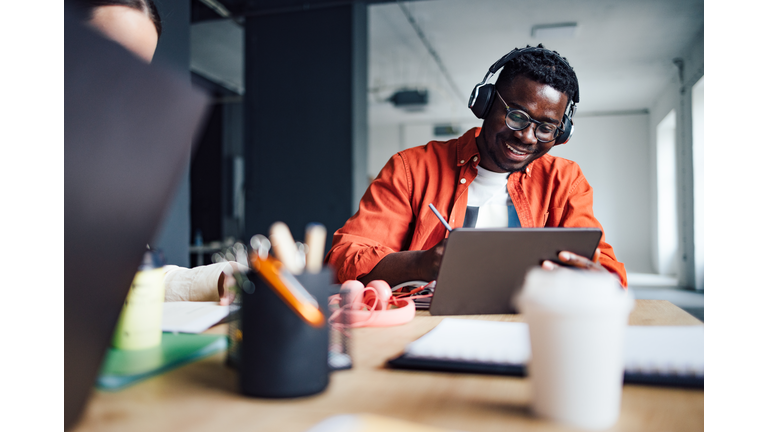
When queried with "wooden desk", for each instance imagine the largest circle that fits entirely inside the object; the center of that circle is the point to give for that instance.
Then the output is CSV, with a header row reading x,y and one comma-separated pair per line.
x,y
203,396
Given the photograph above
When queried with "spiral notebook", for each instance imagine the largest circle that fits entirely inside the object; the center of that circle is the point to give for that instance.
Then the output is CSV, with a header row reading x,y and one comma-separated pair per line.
x,y
654,355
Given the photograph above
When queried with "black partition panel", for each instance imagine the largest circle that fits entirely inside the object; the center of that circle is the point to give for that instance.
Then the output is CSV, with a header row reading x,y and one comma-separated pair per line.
x,y
305,116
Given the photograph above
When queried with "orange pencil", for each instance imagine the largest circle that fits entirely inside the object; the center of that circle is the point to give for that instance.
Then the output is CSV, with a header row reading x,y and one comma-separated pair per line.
x,y
290,290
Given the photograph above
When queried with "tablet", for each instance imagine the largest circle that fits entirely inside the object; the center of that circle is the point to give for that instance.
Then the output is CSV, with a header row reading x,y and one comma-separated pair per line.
x,y
484,268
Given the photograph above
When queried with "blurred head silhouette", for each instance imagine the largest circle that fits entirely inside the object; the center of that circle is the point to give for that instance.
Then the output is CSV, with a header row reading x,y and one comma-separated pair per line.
x,y
134,24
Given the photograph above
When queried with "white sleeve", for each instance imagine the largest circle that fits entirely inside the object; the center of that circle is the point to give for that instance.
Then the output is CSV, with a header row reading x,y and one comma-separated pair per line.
x,y
196,284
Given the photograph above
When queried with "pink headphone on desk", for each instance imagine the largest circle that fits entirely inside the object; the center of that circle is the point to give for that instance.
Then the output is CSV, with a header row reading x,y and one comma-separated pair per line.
x,y
369,306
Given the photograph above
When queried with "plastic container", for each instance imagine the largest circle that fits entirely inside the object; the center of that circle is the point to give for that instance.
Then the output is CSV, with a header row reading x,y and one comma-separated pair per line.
x,y
140,323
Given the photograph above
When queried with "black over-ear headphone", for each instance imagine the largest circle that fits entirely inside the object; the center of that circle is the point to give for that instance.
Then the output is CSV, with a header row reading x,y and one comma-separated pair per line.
x,y
481,99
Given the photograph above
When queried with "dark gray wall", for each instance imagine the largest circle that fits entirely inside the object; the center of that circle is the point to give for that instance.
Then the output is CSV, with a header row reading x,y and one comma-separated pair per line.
x,y
305,115
173,51
233,211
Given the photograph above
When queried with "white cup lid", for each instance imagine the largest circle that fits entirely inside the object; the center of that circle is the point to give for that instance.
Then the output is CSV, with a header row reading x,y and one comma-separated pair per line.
x,y
573,291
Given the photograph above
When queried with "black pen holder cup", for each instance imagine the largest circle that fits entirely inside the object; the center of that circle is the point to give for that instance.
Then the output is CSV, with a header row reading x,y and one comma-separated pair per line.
x,y
281,355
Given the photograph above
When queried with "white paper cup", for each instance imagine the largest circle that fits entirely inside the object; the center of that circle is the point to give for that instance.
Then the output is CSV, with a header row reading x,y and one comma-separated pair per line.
x,y
577,321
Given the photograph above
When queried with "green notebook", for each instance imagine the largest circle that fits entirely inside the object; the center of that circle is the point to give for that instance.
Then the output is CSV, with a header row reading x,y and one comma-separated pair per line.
x,y
122,368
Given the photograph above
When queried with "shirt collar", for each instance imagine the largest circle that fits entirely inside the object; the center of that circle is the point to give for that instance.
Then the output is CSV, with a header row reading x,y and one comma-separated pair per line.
x,y
466,148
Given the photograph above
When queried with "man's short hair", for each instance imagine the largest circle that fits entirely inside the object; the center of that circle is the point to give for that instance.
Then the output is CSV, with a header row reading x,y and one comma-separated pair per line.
x,y
543,66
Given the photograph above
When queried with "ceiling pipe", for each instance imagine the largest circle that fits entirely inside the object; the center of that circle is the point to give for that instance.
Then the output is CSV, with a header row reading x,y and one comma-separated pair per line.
x,y
432,51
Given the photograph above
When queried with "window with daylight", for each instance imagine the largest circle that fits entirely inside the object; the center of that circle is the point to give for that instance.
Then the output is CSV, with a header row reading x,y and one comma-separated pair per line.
x,y
697,120
666,184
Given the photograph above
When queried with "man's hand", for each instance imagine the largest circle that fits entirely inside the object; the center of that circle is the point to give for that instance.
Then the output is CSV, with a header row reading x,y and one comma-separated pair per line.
x,y
577,261
399,267
430,261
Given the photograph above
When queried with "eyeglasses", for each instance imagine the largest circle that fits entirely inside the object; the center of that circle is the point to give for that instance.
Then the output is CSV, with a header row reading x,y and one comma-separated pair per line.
x,y
518,120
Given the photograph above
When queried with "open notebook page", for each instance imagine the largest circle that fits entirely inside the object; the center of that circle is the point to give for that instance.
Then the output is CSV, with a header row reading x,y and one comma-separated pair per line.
x,y
648,349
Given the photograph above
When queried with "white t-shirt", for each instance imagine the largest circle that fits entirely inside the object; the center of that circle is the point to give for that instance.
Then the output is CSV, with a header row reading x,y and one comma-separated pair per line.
x,y
488,201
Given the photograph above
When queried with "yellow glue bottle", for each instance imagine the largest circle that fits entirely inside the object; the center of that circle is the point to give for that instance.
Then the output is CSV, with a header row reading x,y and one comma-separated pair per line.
x,y
140,323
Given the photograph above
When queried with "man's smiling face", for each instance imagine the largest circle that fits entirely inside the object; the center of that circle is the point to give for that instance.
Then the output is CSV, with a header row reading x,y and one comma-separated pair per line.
x,y
505,150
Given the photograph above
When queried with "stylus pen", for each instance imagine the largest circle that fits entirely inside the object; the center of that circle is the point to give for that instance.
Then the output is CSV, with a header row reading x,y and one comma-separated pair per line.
x,y
439,216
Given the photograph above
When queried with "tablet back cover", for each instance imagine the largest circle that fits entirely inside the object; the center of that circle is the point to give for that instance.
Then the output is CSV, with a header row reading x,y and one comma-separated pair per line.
x,y
482,269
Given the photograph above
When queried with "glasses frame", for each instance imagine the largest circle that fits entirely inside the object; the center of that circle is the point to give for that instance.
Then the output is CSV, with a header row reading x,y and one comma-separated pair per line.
x,y
558,129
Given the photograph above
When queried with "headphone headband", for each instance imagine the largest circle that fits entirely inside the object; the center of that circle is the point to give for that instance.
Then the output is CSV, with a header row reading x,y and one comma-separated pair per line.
x,y
520,51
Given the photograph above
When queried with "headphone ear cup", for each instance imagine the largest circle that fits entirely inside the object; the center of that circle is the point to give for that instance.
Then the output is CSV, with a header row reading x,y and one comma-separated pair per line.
x,y
567,131
352,288
481,104
383,293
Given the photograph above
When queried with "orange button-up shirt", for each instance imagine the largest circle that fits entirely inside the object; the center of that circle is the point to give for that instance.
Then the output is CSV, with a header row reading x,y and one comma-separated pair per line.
x,y
394,213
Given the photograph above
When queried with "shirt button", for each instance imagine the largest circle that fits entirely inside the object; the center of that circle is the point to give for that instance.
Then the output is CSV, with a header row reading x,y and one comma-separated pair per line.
x,y
474,159
462,161
463,181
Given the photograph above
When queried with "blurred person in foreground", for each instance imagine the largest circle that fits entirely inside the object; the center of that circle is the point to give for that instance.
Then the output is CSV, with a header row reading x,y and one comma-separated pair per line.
x,y
496,176
136,25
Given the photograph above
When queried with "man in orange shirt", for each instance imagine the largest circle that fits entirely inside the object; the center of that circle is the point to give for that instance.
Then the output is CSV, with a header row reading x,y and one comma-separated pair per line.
x,y
499,175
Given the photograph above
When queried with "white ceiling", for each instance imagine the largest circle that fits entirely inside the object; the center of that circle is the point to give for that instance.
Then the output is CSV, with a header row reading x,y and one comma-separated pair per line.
x,y
622,51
